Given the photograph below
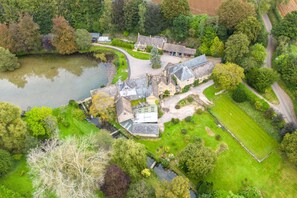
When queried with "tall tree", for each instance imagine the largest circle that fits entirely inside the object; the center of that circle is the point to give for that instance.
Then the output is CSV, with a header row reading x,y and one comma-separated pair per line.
x,y
13,130
132,162
131,16
180,27
289,146
6,40
261,79
142,9
232,12
41,122
287,26
227,76
155,59
250,27
8,61
64,36
29,34
217,47
237,46
106,17
197,160
154,20
173,8
141,189
103,106
83,39
258,53
118,14
16,37
116,182
179,187
73,167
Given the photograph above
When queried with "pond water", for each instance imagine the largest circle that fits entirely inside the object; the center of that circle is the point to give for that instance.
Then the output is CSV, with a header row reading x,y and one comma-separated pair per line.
x,y
52,80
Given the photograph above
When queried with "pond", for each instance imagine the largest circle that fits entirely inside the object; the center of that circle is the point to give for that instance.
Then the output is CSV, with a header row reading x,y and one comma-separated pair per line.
x,y
52,80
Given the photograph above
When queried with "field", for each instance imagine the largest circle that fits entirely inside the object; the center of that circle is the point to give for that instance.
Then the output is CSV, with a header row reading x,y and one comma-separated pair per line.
x,y
287,8
274,177
202,6
248,131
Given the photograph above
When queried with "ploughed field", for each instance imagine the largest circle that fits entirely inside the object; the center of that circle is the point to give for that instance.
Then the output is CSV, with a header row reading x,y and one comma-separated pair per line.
x,y
202,6
287,8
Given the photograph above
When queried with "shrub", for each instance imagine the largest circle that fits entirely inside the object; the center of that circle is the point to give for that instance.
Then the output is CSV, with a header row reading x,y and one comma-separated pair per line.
x,y
120,43
149,49
5,162
199,111
146,172
239,95
270,113
186,89
188,119
73,103
177,106
218,137
190,99
184,131
78,114
288,128
165,163
126,33
196,83
175,120
279,121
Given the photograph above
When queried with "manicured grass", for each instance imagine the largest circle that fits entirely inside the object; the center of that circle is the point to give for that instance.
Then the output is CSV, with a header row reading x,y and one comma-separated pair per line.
x,y
270,96
76,127
274,177
242,126
139,55
18,179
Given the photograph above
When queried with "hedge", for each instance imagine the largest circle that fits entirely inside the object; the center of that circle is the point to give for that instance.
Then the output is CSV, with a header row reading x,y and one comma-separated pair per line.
x,y
120,43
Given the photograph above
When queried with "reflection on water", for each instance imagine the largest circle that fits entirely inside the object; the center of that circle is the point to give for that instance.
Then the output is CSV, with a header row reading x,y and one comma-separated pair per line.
x,y
52,80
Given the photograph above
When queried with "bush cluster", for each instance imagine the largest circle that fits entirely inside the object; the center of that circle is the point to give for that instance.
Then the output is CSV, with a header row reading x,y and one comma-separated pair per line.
x,y
120,43
186,88
5,162
175,120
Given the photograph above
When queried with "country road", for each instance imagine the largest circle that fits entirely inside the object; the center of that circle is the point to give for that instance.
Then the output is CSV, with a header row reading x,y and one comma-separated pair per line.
x,y
286,106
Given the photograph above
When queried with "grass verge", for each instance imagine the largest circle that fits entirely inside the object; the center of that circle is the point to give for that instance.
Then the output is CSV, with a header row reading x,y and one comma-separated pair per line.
x,y
270,96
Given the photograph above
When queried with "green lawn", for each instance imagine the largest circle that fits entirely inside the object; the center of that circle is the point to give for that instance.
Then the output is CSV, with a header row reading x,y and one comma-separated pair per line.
x,y
242,126
18,179
76,127
274,177
139,55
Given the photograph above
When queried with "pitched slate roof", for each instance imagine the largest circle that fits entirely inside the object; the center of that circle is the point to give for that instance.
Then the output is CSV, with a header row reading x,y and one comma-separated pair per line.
x,y
123,105
179,49
142,129
191,64
184,74
151,41
204,70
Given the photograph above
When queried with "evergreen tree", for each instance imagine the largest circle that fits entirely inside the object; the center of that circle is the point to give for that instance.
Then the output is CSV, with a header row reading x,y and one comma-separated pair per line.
x,y
174,8
155,59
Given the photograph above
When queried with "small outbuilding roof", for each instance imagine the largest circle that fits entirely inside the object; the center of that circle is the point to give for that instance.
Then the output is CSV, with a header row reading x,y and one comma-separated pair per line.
x,y
179,49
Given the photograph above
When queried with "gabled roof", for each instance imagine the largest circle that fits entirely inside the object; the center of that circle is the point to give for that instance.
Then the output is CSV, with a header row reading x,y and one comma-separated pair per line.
x,y
123,105
179,49
191,64
151,41
204,70
184,74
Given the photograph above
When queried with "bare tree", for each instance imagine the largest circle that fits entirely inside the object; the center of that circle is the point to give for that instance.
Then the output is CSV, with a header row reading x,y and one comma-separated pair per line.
x,y
73,167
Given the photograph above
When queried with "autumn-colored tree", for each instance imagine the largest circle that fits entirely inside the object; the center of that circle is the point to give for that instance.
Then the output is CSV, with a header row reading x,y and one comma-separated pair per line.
x,y
29,35
5,37
64,36
232,12
227,76
103,106
15,37
116,182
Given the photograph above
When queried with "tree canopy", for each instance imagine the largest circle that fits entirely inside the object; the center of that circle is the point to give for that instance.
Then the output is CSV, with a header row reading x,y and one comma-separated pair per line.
x,y
13,130
83,39
64,36
178,187
141,189
236,47
227,76
180,27
155,59
232,12
287,26
130,156
250,27
5,162
41,121
197,160
289,147
173,8
103,106
73,167
8,61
